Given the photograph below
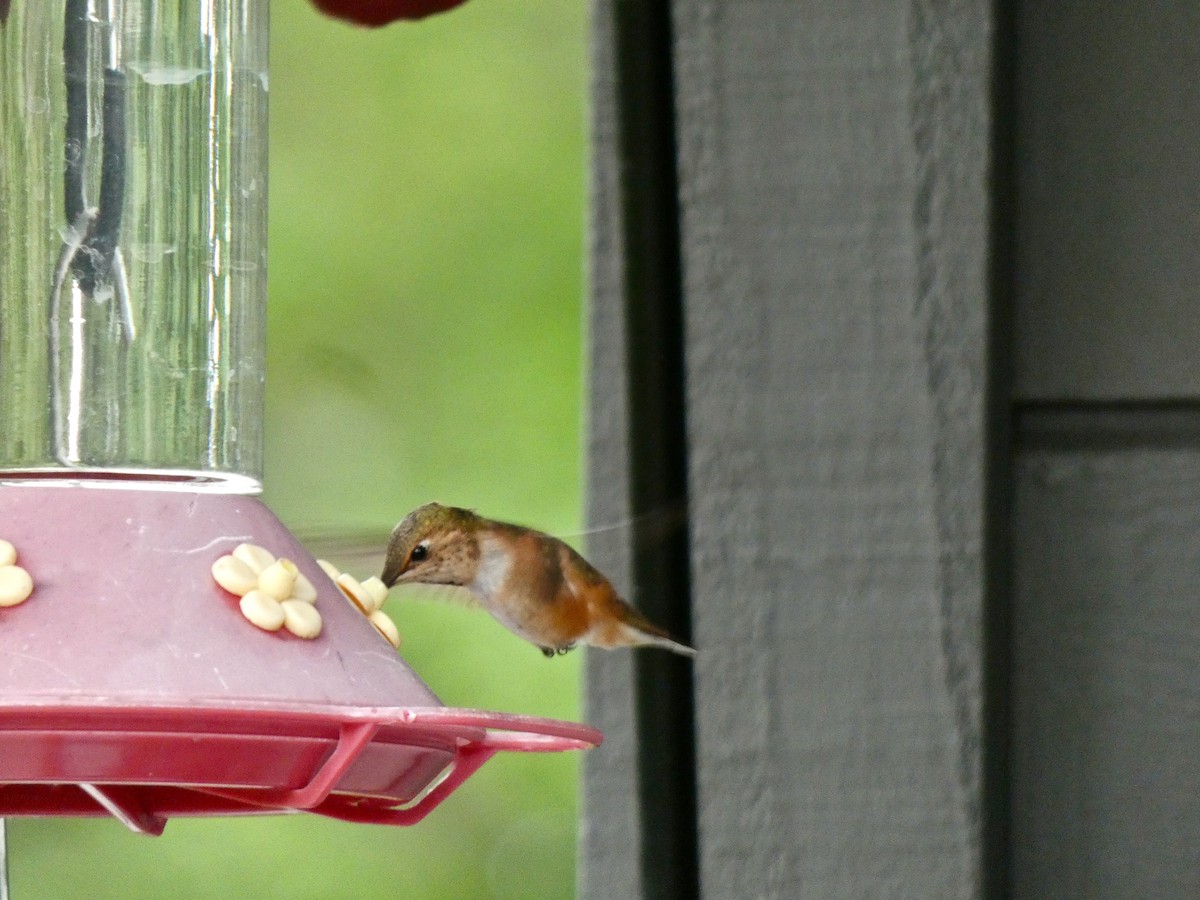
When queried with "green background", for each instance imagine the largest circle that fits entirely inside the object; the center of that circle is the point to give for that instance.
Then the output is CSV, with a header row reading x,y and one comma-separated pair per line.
x,y
426,274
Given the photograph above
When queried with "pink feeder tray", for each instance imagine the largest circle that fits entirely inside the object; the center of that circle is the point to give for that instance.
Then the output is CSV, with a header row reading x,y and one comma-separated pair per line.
x,y
134,687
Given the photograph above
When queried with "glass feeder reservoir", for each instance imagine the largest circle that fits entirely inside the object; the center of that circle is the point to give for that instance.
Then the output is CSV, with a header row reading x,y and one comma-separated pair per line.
x,y
132,305
133,241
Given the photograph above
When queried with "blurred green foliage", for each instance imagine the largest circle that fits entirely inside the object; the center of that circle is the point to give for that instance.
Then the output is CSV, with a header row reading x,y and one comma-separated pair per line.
x,y
426,274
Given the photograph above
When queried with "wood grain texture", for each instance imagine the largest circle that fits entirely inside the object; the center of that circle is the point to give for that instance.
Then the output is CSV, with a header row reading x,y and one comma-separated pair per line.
x,y
833,168
1106,690
1108,159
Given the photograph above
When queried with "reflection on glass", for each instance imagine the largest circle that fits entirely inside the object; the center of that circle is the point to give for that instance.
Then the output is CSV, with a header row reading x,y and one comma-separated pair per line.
x,y
133,237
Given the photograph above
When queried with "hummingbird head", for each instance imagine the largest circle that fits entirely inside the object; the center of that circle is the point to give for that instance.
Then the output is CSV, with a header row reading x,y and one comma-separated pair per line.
x,y
434,544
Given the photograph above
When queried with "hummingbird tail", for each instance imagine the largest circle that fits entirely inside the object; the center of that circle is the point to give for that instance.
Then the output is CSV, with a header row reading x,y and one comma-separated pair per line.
x,y
642,639
637,631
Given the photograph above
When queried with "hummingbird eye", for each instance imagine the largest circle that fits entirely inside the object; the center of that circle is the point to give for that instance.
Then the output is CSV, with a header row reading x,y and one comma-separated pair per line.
x,y
419,552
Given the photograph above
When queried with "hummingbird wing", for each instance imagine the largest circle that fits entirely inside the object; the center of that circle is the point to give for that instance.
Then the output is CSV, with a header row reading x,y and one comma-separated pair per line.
x,y
355,549
442,593
361,551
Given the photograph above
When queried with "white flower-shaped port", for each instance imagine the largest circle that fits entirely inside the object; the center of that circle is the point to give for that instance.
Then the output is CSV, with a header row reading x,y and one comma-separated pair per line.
x,y
15,583
367,596
275,594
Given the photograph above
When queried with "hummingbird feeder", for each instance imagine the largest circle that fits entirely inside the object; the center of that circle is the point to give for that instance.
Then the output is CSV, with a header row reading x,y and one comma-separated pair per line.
x,y
132,307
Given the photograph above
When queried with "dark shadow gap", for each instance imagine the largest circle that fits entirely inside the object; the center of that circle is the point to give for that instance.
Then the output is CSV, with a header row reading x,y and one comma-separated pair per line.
x,y
653,301
1000,449
1166,424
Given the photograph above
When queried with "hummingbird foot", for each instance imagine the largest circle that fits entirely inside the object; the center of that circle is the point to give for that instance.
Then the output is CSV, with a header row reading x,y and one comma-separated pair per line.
x,y
551,652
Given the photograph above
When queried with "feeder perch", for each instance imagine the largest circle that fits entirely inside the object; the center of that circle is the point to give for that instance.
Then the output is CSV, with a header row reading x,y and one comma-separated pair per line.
x,y
132,303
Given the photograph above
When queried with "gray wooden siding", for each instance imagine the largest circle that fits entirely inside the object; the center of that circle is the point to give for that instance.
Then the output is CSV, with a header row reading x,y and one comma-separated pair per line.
x,y
1106,689
1106,625
1109,184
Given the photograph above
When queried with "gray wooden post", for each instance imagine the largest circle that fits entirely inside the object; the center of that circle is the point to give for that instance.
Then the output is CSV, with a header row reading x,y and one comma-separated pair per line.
x,y
832,165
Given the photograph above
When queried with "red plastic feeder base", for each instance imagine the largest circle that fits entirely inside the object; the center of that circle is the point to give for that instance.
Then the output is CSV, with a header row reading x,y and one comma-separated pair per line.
x,y
134,687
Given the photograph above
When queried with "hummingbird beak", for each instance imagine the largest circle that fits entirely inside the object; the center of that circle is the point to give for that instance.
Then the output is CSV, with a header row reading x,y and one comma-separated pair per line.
x,y
394,575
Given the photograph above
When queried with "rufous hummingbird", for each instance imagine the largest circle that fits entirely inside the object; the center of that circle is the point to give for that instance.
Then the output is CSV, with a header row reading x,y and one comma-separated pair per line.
x,y
533,584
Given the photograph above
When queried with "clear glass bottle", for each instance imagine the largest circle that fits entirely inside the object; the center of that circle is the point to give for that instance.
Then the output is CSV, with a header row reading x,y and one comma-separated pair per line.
x,y
133,240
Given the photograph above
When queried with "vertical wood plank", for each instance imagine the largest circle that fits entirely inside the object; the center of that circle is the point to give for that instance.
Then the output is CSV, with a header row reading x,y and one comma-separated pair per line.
x,y
833,164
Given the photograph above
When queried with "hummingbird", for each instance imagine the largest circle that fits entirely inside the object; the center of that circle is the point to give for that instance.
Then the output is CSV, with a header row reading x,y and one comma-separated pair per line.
x,y
533,584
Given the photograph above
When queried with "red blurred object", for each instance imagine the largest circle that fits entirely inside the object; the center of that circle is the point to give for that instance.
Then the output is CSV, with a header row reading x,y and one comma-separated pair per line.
x,y
380,12
133,687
